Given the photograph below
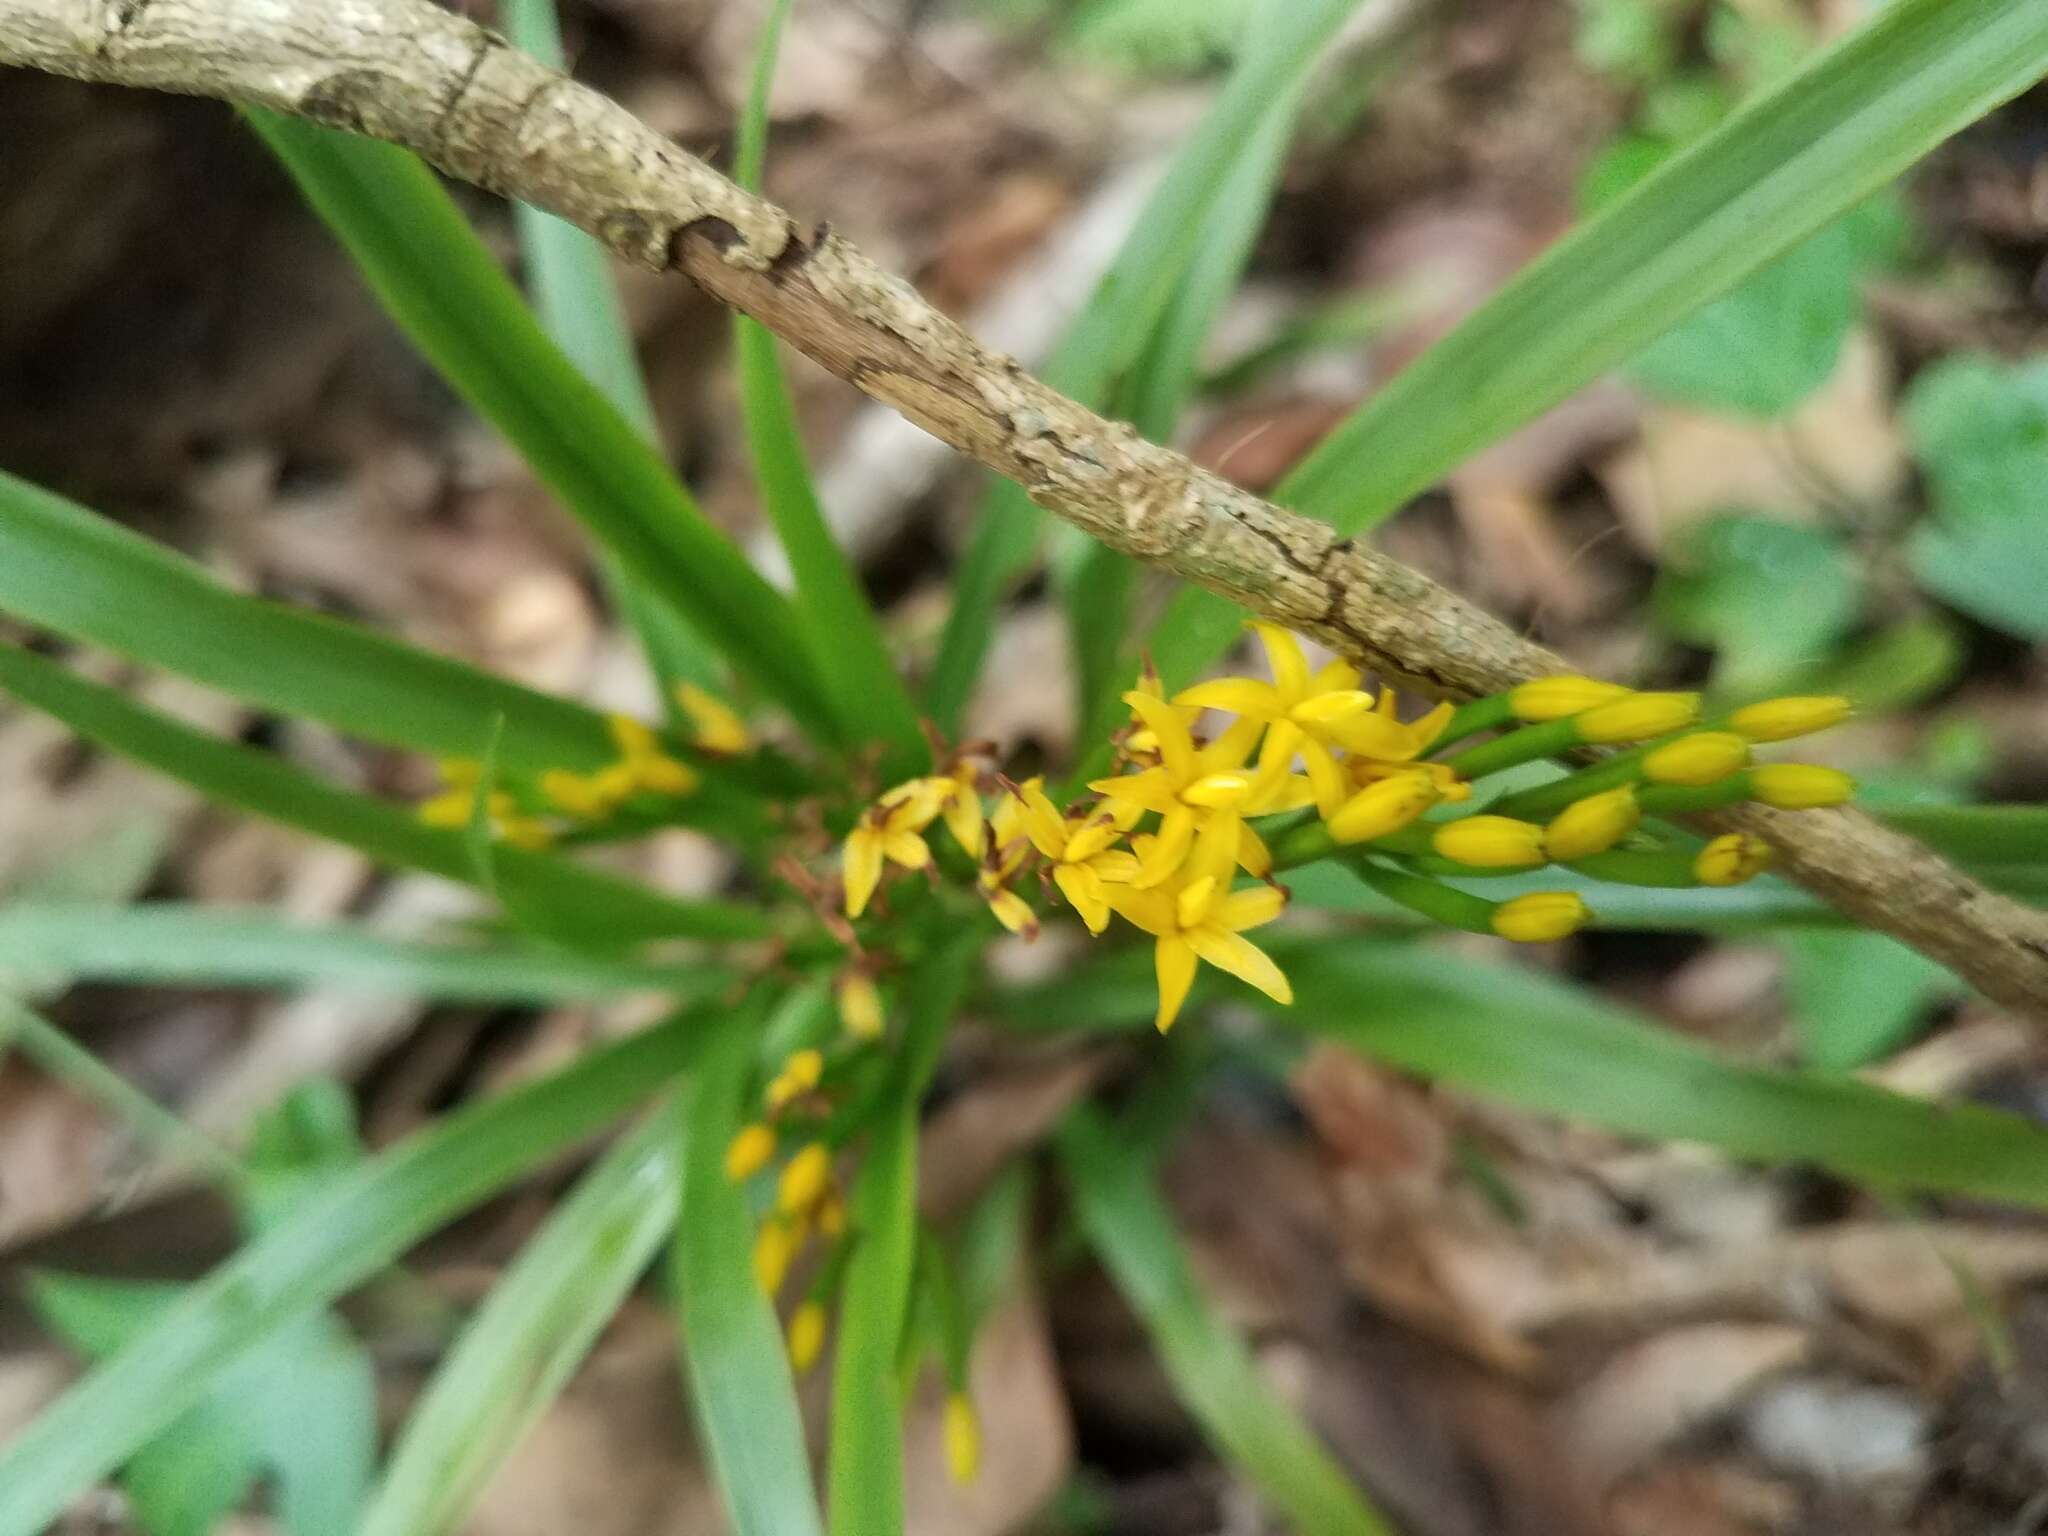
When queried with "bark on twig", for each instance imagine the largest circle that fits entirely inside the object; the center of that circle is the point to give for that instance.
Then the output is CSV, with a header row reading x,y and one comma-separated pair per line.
x,y
409,72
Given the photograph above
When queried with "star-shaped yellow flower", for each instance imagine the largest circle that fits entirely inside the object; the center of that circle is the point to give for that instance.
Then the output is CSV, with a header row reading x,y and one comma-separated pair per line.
x,y
1196,916
1190,786
1079,850
891,829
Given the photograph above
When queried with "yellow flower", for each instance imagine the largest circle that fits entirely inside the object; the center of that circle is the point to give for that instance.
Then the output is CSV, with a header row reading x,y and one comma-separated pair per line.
x,y
799,1075
1541,917
647,766
775,1249
1080,852
451,809
582,795
860,1005
1704,757
1189,788
1552,698
460,772
1731,858
1800,786
634,738
963,1438
1592,825
806,1336
805,1178
1637,717
1782,719
714,725
1384,806
748,1152
528,832
891,829
1491,842
1198,917
660,775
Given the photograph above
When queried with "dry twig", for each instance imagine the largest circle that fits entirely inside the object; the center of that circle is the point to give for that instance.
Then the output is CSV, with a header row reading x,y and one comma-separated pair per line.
x,y
409,72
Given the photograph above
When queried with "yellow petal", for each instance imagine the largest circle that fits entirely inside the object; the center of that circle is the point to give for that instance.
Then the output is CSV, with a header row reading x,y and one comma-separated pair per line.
x,y
1152,790
1088,839
714,725
1253,856
1215,849
1082,887
1176,746
1173,962
1238,955
1283,654
1043,823
1168,850
963,820
1491,842
1430,726
634,737
1373,735
748,1152
1149,910
1233,747
907,849
1335,677
860,1005
804,1178
1800,786
806,1336
1239,695
1592,825
861,868
1119,866
450,810
1331,788
1015,913
1252,907
660,775
1323,709
963,1439
1218,791
1191,904
1782,719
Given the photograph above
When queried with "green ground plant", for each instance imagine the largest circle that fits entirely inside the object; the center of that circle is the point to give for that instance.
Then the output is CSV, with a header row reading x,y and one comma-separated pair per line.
x,y
762,1141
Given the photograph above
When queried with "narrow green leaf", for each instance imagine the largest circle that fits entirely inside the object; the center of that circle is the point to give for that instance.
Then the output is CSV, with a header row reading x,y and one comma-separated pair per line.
x,y
1120,318
1527,1039
569,279
1212,1369
168,944
1774,172
1777,170
865,1476
526,1341
740,1386
437,280
846,641
343,1234
585,902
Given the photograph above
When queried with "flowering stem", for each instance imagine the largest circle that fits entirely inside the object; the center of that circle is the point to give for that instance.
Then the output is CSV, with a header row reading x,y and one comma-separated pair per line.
x,y
1550,739
1684,799
1440,903
1546,800
1629,866
1487,714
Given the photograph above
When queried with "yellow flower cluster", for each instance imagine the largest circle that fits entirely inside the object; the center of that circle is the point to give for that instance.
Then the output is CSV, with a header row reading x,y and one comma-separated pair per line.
x,y
642,767
1165,840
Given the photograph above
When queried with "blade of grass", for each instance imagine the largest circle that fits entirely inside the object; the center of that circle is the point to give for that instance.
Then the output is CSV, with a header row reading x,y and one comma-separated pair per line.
x,y
1774,172
1524,1038
589,904
170,943
865,1473
577,303
740,1387
526,1341
1212,1369
846,641
1094,581
440,284
69,1062
1113,328
344,1233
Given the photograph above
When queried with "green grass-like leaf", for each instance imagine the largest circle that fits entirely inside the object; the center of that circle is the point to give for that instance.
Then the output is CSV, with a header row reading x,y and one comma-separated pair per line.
x,y
865,1472
342,1234
1521,1037
1131,1232
524,1343
585,903
169,943
1113,329
1780,168
439,283
845,639
740,1386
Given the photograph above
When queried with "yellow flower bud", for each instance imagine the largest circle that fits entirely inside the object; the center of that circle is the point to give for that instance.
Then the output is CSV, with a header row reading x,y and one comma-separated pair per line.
x,y
1383,807
963,1438
1637,717
1552,698
661,775
1491,842
799,1075
451,810
616,783
1800,786
860,1005
1704,757
775,1248
1592,825
1731,859
1541,917
804,1179
715,726
1782,719
806,1336
634,738
576,794
748,1152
